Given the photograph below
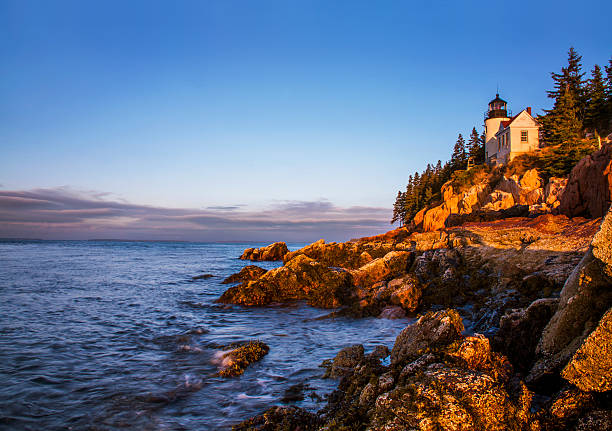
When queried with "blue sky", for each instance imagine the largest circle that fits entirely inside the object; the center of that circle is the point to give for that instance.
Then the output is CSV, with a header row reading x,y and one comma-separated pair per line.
x,y
261,105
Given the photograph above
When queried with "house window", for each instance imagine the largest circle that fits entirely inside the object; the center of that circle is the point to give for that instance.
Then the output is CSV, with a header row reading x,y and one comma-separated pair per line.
x,y
523,135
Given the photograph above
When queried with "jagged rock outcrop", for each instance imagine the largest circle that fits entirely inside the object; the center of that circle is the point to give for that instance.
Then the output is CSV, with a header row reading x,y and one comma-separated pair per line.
x,y
586,296
431,330
275,251
441,380
566,408
393,264
405,292
589,187
504,273
345,361
499,200
554,191
350,255
281,418
590,368
248,273
495,266
525,190
509,192
301,278
521,329
530,181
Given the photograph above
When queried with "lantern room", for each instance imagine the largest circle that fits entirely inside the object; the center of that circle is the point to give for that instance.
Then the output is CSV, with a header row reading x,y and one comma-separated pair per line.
x,y
497,108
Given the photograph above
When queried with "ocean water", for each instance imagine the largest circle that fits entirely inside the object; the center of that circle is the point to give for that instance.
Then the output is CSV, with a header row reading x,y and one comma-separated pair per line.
x,y
103,335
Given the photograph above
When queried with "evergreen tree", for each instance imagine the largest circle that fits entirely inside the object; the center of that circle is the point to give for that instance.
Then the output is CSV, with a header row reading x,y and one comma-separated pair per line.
x,y
609,94
416,192
609,81
596,117
459,157
483,140
565,121
398,208
475,147
438,167
570,79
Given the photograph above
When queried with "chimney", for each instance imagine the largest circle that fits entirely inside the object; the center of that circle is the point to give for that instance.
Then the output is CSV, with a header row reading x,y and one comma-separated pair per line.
x,y
529,110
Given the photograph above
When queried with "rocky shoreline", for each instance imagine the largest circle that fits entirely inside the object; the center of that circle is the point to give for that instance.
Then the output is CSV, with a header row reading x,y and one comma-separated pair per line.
x,y
514,326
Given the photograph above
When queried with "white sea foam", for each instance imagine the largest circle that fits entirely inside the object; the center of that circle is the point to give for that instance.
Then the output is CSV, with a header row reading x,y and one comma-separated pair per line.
x,y
243,396
221,358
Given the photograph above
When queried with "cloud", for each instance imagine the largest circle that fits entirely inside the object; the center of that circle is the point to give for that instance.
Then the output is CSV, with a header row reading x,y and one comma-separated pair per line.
x,y
225,208
62,213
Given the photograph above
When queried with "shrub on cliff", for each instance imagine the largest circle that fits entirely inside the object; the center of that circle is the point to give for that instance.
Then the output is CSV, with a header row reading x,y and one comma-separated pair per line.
x,y
463,180
556,161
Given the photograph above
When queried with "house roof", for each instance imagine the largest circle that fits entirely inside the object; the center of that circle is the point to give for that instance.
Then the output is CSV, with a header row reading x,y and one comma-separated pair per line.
x,y
504,124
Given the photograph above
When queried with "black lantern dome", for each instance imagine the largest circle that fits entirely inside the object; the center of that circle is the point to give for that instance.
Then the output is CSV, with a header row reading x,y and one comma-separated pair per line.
x,y
497,108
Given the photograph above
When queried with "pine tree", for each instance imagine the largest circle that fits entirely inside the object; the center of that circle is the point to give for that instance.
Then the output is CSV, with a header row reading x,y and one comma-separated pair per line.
x,y
438,167
569,124
475,147
596,117
459,157
609,81
416,192
570,79
609,94
397,208
564,122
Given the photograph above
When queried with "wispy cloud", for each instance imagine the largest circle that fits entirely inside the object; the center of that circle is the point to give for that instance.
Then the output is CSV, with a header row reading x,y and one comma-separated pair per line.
x,y
63,213
225,208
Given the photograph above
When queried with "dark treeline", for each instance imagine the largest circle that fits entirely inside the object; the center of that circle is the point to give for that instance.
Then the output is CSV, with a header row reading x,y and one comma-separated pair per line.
x,y
582,108
424,188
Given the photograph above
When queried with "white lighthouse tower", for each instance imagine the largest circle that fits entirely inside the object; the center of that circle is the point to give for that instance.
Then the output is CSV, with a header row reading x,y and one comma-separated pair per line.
x,y
496,113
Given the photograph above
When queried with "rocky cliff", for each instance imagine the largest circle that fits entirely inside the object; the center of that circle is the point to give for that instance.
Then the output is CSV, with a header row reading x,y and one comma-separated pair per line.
x,y
512,301
545,366
586,192
486,268
589,187
490,199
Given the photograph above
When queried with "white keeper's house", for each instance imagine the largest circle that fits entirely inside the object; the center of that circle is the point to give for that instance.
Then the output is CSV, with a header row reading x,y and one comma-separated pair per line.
x,y
507,137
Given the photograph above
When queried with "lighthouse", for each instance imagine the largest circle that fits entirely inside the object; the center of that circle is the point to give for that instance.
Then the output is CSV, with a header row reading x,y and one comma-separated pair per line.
x,y
496,113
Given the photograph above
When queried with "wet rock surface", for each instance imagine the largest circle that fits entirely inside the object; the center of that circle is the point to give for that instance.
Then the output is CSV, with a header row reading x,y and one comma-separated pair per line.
x,y
235,361
202,277
301,278
248,273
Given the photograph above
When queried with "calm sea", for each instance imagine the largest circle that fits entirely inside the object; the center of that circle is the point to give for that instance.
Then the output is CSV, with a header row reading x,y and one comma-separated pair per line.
x,y
105,335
